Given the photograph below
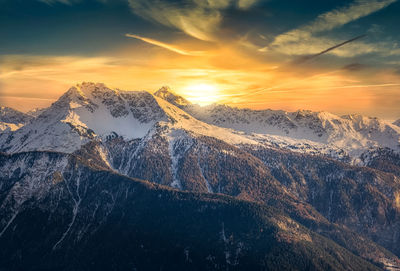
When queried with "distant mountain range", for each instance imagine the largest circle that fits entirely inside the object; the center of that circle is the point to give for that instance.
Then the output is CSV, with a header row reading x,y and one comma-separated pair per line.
x,y
315,132
225,188
11,119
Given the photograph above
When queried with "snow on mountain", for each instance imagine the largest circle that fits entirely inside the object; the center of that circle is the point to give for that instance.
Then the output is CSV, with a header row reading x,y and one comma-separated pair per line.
x,y
91,111
302,130
83,113
137,134
10,115
346,138
36,112
7,127
180,120
11,119
167,94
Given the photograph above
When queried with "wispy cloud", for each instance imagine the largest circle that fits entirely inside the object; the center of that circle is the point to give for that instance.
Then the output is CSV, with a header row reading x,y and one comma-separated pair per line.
x,y
303,40
334,19
197,18
167,46
354,67
310,57
245,4
200,19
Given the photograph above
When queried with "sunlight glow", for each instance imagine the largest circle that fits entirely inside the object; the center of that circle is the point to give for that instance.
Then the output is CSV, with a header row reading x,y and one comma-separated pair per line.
x,y
202,94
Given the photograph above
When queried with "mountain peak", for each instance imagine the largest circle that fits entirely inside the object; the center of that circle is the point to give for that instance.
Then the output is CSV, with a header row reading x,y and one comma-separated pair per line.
x,y
164,90
87,90
11,119
167,94
10,115
92,90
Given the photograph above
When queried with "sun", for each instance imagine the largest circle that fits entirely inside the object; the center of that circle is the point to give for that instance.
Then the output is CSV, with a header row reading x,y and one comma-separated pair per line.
x,y
202,94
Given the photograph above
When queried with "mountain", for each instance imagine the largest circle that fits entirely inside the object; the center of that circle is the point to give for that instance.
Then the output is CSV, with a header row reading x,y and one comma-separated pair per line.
x,y
363,199
345,138
35,112
130,134
167,94
11,119
353,134
93,111
397,122
83,216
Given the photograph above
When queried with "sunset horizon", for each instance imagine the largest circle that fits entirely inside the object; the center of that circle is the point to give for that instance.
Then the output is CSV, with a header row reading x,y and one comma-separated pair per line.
x,y
341,58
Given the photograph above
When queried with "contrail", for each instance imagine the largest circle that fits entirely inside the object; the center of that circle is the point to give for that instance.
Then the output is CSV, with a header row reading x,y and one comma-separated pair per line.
x,y
166,46
308,58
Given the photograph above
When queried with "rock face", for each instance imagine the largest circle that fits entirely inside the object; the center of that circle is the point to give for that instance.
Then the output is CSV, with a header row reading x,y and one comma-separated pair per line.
x,y
73,165
92,111
11,119
345,137
167,94
10,115
363,199
83,216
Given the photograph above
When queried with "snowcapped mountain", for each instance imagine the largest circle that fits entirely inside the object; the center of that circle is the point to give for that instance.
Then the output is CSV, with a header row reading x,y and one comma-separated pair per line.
x,y
11,119
162,138
345,137
91,111
35,112
83,113
166,93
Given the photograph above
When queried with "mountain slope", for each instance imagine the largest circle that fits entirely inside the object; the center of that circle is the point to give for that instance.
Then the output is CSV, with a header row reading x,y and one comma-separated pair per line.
x,y
83,113
303,130
362,199
206,164
93,111
35,112
167,94
11,119
85,217
138,135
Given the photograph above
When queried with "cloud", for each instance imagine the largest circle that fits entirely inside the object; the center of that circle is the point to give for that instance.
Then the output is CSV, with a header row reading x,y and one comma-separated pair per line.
x,y
197,18
334,19
303,40
310,57
354,67
166,46
245,4
314,45
200,19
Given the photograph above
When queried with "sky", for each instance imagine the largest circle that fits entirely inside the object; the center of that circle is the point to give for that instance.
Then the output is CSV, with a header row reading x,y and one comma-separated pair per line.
x,y
332,55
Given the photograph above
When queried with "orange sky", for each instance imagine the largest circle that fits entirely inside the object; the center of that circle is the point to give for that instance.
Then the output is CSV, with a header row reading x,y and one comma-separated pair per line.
x,y
220,74
244,53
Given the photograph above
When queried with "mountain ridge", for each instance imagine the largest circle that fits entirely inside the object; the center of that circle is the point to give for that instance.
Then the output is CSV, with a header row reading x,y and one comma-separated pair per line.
x,y
11,119
87,192
345,138
168,146
323,131
93,110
